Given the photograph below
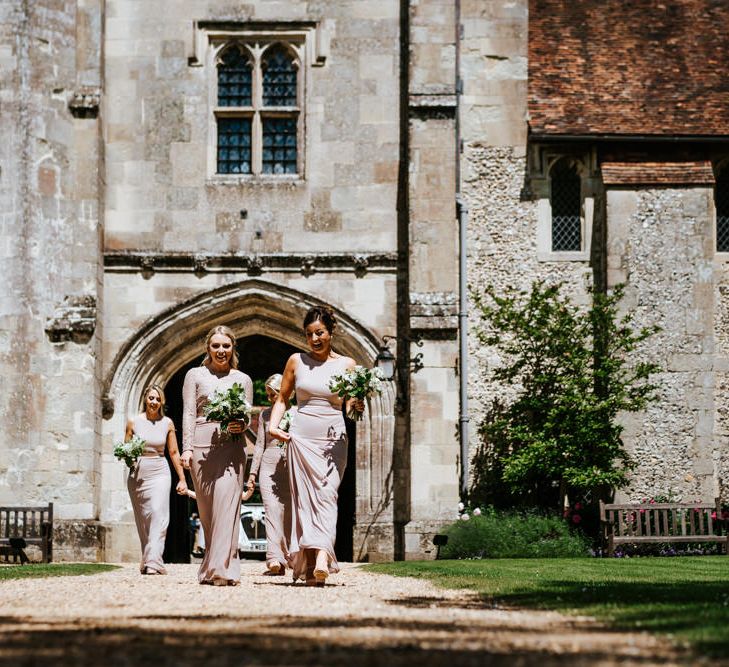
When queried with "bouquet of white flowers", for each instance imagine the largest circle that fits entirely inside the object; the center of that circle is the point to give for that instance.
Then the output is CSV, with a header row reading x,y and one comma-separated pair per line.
x,y
228,406
285,424
359,382
130,450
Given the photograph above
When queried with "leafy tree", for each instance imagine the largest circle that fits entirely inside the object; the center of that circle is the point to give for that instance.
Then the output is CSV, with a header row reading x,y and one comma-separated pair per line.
x,y
572,373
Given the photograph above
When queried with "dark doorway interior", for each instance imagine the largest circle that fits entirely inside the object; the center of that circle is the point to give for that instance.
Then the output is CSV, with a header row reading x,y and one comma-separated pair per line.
x,y
346,505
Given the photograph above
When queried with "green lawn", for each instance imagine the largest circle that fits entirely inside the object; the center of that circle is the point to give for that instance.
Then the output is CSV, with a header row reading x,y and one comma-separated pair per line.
x,y
686,598
53,570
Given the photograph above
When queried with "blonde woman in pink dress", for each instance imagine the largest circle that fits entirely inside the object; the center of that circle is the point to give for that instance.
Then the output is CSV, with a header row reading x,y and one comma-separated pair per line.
x,y
217,462
316,449
269,465
149,481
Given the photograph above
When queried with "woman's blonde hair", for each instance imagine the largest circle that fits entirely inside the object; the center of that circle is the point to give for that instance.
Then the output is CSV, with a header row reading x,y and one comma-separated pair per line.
x,y
160,392
225,331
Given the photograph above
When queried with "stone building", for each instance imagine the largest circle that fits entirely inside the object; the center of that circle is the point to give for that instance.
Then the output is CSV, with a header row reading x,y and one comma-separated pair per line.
x,y
596,136
168,166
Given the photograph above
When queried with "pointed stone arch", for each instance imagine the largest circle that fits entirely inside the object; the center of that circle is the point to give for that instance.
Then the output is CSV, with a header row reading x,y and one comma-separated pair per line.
x,y
175,337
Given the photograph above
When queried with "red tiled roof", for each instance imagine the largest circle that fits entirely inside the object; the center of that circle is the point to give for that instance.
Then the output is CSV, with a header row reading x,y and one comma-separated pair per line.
x,y
657,173
622,67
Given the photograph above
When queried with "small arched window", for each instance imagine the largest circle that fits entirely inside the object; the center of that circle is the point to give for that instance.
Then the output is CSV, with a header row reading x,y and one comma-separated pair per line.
x,y
566,202
721,201
235,77
234,95
280,112
279,78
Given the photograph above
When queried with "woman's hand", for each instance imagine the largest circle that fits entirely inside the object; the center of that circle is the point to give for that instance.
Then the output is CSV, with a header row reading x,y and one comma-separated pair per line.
x,y
278,434
359,404
181,487
236,426
185,459
250,488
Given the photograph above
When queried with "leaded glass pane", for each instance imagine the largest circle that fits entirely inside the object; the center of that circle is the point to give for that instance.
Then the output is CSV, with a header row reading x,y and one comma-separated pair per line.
x,y
279,145
279,78
234,79
721,200
234,145
566,214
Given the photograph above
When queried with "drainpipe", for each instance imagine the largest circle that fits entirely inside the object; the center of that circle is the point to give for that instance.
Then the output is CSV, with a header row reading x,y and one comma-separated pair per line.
x,y
463,343
462,214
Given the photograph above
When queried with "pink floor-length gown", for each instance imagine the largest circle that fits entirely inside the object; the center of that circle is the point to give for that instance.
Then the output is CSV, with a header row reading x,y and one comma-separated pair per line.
x,y
317,457
269,462
218,471
149,489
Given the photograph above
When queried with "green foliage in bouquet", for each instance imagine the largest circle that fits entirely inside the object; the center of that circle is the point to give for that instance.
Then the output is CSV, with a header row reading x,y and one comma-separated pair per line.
x,y
228,406
284,425
358,382
130,450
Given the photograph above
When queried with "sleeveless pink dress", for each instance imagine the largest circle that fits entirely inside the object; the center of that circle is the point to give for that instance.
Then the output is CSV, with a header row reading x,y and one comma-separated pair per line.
x,y
317,457
269,462
149,489
218,471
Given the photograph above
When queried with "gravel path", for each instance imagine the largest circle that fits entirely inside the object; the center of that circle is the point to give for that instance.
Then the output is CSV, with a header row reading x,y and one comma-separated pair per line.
x,y
360,619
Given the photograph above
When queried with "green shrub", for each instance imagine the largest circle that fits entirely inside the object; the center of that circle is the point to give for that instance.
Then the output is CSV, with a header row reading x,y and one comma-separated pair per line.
x,y
496,534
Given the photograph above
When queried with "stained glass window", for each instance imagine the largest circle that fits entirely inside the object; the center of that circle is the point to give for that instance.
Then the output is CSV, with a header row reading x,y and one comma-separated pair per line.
x,y
279,78
566,201
234,145
721,201
234,79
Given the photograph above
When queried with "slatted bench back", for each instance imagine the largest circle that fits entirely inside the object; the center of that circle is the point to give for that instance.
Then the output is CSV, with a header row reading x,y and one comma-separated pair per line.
x,y
25,522
662,522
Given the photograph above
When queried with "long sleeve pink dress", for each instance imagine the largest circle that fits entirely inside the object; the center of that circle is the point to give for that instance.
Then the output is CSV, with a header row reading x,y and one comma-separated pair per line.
x,y
269,463
317,457
149,489
218,471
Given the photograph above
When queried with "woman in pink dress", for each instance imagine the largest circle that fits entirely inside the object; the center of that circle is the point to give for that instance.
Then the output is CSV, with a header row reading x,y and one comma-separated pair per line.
x,y
218,462
149,481
316,450
269,465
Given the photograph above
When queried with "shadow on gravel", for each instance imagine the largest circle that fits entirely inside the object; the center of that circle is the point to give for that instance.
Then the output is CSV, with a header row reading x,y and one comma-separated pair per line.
x,y
223,641
431,602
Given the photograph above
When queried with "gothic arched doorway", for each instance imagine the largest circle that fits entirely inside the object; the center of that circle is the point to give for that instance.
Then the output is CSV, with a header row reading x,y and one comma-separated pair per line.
x,y
265,316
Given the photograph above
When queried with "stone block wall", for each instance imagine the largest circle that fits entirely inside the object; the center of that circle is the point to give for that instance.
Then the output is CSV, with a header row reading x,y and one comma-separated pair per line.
x,y
432,456
161,195
661,245
50,251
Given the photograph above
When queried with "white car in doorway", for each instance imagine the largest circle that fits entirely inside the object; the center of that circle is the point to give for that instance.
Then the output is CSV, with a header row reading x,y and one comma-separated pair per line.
x,y
251,537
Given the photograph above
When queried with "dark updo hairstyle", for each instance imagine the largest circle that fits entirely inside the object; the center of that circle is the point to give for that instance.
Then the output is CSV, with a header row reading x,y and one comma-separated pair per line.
x,y
324,314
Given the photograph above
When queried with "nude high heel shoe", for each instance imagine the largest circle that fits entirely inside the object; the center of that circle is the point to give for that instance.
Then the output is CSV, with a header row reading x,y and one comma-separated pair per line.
x,y
321,569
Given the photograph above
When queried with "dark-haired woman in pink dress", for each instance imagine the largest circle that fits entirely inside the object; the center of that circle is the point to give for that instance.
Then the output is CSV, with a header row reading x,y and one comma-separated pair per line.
x,y
316,450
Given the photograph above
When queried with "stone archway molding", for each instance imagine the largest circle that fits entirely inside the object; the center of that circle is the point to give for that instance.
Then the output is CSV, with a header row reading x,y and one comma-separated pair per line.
x,y
174,337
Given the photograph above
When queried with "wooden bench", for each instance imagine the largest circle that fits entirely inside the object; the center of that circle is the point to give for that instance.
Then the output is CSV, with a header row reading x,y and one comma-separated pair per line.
x,y
641,523
23,526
